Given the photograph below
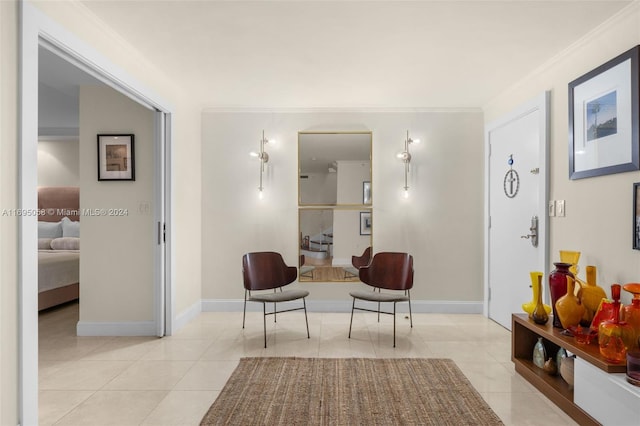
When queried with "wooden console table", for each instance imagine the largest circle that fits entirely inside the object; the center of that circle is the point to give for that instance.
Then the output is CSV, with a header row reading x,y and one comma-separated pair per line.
x,y
524,335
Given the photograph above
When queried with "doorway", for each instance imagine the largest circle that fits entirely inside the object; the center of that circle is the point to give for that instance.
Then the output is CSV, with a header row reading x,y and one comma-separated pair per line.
x,y
516,240
36,31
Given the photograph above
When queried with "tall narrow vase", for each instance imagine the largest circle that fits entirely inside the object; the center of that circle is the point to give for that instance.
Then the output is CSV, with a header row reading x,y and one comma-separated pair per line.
x,y
558,287
529,307
539,314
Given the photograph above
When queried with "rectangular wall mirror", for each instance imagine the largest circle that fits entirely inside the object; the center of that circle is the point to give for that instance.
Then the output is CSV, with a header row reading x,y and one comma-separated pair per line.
x,y
335,168
328,240
335,194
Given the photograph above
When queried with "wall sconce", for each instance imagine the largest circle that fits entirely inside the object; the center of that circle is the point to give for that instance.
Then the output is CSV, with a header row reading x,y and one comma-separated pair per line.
x,y
263,156
405,156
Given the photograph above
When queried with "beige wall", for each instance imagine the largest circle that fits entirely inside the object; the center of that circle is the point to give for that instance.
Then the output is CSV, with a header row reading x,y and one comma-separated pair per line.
x,y
440,224
117,261
186,139
8,225
598,218
58,163
186,172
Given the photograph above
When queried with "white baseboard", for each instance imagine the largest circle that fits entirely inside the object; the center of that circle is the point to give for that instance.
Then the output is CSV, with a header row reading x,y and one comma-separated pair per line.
x,y
131,328
187,315
417,306
148,328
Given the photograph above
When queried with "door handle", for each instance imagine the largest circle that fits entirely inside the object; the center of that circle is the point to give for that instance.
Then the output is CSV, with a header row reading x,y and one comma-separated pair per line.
x,y
533,235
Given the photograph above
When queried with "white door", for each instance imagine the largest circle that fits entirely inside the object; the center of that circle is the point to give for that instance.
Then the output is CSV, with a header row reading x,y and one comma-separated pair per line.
x,y
516,196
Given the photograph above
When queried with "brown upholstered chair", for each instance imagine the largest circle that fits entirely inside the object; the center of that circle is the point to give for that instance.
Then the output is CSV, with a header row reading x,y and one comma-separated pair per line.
x,y
267,271
387,271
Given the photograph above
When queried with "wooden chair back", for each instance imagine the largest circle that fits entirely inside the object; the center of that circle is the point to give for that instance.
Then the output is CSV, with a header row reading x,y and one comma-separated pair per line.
x,y
389,270
360,261
266,270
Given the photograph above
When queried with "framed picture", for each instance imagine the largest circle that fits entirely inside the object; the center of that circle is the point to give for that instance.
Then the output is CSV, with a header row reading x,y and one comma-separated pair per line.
x,y
366,192
636,216
603,119
365,223
116,159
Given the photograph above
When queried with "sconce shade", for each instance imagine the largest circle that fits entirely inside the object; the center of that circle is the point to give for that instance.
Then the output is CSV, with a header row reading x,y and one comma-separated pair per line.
x,y
405,156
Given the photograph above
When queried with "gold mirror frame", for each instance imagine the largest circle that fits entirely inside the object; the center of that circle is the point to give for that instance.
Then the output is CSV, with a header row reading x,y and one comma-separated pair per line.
x,y
335,196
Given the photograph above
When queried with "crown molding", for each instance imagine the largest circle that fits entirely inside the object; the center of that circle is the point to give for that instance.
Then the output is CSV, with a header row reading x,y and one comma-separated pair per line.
x,y
333,110
628,12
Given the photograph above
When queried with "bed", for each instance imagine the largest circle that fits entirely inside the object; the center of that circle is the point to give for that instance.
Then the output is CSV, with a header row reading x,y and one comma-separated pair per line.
x,y
58,245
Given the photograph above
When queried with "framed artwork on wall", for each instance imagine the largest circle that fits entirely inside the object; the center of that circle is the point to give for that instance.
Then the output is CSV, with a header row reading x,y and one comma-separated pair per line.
x,y
366,192
603,119
116,160
365,223
636,216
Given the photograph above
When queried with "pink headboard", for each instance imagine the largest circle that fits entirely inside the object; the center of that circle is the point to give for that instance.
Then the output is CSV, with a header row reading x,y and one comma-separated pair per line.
x,y
58,202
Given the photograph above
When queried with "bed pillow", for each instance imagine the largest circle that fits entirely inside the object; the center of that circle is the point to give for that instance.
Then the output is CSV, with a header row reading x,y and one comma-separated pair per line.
x,y
70,228
49,229
44,243
65,243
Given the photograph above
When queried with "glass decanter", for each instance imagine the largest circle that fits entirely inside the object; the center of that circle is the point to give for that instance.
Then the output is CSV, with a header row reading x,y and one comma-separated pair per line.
x,y
615,336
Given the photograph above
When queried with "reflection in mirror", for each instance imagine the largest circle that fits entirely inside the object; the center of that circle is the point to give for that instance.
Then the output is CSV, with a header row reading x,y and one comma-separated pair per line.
x,y
335,168
328,240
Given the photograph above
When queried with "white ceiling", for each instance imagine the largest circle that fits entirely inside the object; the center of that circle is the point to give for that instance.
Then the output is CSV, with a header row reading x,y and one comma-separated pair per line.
x,y
379,54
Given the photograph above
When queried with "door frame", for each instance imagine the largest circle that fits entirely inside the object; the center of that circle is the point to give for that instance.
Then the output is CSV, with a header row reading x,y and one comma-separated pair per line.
x,y
539,103
36,29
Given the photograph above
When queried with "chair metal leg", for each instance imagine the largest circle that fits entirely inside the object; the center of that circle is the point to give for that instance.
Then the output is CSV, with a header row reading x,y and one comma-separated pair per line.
x,y
394,324
351,322
264,322
410,315
274,308
244,311
305,317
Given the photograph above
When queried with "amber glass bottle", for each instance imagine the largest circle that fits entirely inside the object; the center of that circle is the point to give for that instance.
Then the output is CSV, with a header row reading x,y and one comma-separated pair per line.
x,y
615,336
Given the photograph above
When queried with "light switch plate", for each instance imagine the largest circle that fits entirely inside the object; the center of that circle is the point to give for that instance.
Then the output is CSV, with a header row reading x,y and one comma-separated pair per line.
x,y
560,208
552,208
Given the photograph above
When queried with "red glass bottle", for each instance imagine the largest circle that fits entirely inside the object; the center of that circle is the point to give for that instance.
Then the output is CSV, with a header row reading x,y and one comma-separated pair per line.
x,y
558,287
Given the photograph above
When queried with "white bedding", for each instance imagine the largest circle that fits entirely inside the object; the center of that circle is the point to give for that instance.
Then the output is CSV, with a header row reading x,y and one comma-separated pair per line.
x,y
57,268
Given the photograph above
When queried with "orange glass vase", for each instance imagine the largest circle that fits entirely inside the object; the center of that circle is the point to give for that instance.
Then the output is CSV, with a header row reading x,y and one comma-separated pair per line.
x,y
568,307
632,312
615,336
590,296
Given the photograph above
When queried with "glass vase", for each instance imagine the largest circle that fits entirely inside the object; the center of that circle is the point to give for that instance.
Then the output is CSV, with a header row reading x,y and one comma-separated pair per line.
x,y
632,312
591,295
615,336
558,287
571,257
568,307
539,353
536,277
539,314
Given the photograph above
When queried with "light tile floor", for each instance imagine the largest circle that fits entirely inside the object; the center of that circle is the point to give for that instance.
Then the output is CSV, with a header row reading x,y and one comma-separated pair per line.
x,y
173,381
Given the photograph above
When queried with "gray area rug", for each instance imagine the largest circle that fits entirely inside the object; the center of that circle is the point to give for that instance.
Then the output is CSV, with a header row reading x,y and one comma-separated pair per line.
x,y
351,391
